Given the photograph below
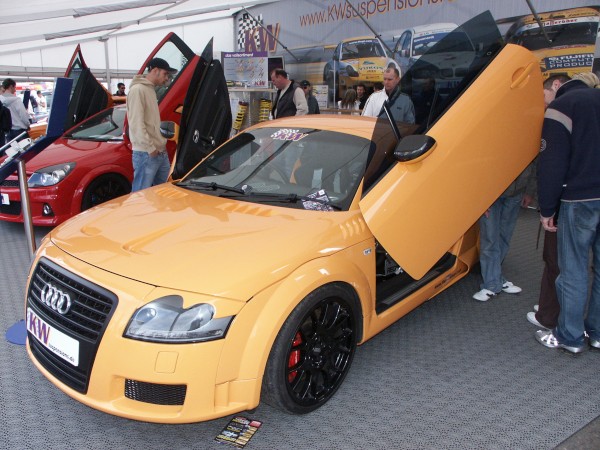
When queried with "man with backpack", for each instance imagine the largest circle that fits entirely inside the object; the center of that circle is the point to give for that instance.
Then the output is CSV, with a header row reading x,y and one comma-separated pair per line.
x,y
5,123
19,115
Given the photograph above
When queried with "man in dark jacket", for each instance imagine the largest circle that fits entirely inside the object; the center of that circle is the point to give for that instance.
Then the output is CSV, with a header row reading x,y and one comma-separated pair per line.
x,y
290,99
568,176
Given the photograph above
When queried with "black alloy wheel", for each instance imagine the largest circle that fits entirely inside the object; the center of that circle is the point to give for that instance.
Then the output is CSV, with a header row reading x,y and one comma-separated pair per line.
x,y
104,188
312,353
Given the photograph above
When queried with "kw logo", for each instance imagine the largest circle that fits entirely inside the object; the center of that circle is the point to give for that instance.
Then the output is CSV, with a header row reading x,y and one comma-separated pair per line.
x,y
38,327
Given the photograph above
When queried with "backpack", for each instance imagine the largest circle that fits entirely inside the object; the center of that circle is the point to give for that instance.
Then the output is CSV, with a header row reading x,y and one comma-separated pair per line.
x,y
5,119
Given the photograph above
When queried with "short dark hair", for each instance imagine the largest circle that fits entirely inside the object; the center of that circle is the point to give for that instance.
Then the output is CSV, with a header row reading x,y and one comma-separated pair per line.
x,y
551,79
120,85
361,85
394,69
8,82
279,72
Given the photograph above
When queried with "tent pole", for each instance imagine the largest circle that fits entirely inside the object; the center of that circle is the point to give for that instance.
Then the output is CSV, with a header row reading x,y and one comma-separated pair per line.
x,y
105,40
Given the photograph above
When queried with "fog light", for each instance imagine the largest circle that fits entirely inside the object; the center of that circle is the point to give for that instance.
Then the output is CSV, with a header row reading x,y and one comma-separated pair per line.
x,y
47,210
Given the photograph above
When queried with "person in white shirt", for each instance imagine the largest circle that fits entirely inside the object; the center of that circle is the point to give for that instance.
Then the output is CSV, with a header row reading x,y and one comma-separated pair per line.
x,y
18,113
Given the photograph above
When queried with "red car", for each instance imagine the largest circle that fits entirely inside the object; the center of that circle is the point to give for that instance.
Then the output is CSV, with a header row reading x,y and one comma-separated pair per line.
x,y
91,162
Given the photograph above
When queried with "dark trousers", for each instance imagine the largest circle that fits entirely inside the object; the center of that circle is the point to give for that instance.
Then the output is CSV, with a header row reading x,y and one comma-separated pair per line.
x,y
549,307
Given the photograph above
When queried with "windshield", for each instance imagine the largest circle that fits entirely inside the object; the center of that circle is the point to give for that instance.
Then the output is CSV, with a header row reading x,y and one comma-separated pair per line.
x,y
363,48
285,167
567,34
423,43
104,126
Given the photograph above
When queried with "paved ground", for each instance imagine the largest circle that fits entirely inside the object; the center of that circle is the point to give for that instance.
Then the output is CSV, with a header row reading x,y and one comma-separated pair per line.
x,y
453,374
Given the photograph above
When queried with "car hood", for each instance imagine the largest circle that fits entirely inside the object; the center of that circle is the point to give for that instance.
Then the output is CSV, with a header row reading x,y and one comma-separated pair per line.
x,y
174,238
66,150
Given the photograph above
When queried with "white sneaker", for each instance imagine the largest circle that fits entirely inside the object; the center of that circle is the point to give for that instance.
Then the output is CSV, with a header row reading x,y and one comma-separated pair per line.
x,y
510,288
533,320
483,295
536,308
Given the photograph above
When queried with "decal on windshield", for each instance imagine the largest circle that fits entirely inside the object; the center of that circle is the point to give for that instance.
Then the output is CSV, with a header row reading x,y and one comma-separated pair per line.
x,y
288,134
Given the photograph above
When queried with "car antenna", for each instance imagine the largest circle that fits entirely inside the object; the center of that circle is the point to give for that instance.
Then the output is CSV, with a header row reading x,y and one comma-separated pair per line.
x,y
271,34
537,18
378,36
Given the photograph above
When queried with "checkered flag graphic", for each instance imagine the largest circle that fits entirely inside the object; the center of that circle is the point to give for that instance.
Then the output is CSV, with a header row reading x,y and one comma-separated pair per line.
x,y
247,23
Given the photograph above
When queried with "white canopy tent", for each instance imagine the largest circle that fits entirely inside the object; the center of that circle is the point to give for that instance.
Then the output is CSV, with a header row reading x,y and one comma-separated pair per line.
x,y
39,36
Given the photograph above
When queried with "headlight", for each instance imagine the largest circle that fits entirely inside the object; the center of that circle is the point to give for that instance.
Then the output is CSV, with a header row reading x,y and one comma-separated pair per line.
x,y
165,320
49,176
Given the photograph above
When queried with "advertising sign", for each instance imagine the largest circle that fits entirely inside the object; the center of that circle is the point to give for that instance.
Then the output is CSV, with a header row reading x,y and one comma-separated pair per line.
x,y
248,69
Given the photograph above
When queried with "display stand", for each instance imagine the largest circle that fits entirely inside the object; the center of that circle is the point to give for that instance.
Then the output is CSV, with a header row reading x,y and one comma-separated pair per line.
x,y
250,106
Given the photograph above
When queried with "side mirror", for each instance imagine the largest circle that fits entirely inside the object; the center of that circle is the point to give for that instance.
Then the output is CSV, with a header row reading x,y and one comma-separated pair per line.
x,y
412,147
168,129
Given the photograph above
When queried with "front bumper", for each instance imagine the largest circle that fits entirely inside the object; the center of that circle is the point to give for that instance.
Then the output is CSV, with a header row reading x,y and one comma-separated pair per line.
x,y
11,206
154,382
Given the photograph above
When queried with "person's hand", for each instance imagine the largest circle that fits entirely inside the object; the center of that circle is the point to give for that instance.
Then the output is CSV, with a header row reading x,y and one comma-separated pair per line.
x,y
526,200
548,223
154,154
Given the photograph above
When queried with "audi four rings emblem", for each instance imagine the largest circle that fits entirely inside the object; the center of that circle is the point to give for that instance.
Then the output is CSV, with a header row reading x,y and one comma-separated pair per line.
x,y
55,299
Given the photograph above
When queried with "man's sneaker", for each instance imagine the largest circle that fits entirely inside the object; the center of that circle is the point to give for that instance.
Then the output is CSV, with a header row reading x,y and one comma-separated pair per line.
x,y
510,288
595,343
536,308
533,320
483,295
547,339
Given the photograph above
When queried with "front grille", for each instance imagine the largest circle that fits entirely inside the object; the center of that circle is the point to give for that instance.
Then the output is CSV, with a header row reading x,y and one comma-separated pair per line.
x,y
157,394
85,321
14,209
10,183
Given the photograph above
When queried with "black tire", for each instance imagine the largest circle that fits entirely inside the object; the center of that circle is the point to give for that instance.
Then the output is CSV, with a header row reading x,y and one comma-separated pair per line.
x,y
104,188
312,352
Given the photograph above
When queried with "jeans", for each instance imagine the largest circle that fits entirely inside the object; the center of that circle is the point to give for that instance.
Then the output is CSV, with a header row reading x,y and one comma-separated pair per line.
x,y
578,233
495,232
149,171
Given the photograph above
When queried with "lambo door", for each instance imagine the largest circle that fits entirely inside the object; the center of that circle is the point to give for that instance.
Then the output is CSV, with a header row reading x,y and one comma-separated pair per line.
x,y
478,138
206,121
88,96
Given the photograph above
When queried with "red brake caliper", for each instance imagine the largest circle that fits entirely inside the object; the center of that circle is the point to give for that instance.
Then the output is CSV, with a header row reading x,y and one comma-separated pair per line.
x,y
294,358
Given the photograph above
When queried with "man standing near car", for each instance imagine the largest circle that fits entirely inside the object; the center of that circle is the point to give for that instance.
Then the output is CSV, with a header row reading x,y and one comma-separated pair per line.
x,y
401,106
290,99
18,113
568,177
150,160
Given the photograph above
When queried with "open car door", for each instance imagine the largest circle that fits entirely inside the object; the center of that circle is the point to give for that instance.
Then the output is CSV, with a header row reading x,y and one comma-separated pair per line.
x,y
206,121
88,96
475,140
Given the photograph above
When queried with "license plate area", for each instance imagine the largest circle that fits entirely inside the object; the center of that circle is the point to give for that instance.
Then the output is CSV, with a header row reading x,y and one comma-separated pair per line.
x,y
54,340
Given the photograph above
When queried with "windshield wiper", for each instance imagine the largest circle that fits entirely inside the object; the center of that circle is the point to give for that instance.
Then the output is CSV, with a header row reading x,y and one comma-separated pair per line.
x,y
212,186
291,198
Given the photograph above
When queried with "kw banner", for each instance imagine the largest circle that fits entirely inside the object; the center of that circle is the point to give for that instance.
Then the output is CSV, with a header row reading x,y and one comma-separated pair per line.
x,y
328,42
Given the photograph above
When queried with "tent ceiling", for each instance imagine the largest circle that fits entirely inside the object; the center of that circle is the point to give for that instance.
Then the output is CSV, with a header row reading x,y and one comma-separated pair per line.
x,y
42,23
